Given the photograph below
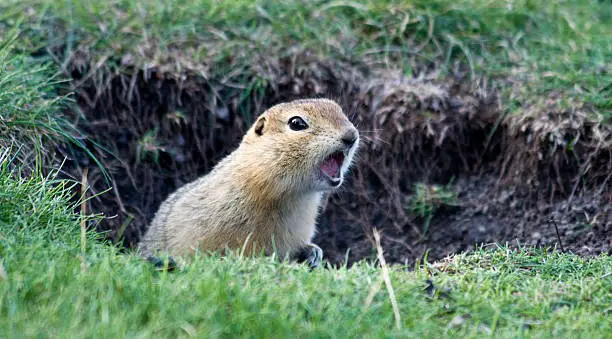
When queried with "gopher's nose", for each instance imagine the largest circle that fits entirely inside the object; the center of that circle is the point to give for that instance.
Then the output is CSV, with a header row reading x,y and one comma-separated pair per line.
x,y
349,137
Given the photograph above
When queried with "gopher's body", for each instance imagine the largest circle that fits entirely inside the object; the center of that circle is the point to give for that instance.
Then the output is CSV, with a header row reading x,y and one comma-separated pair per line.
x,y
266,194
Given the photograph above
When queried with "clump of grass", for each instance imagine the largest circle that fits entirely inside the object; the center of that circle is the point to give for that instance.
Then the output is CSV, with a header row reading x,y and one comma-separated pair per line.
x,y
31,106
33,200
149,146
36,208
28,102
427,200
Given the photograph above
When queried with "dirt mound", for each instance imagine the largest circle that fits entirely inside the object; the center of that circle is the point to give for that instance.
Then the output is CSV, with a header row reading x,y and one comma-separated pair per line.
x,y
508,175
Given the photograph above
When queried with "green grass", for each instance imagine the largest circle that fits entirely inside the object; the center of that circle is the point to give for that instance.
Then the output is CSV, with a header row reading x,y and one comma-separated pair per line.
x,y
560,46
28,102
426,200
46,292
31,118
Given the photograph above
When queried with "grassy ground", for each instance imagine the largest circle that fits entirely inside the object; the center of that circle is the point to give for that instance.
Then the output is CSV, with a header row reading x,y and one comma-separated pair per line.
x,y
46,291
546,46
28,104
31,108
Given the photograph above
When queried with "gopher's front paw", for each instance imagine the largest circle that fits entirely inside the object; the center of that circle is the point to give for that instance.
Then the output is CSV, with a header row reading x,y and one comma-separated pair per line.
x,y
163,265
311,254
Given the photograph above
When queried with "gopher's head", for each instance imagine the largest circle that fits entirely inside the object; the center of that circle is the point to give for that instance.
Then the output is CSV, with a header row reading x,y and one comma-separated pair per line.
x,y
309,143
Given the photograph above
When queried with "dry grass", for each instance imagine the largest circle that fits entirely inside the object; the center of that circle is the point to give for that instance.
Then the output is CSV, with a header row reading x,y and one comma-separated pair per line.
x,y
385,276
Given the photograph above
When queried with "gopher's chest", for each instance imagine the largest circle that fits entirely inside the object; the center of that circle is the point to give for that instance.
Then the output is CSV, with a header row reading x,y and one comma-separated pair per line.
x,y
291,226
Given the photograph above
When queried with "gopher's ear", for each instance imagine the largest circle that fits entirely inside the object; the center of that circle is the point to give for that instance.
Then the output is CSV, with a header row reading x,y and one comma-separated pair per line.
x,y
259,126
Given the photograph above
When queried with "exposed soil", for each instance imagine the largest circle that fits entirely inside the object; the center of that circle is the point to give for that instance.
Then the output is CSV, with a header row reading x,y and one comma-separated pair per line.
x,y
486,217
512,174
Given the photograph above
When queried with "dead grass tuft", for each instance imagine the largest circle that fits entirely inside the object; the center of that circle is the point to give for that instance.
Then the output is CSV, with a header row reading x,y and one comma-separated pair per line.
x,y
558,144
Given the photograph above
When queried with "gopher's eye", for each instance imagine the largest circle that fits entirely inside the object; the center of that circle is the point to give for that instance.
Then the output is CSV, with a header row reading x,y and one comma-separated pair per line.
x,y
297,124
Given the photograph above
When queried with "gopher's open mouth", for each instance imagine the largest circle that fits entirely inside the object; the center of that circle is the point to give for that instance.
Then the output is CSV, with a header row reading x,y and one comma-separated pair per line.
x,y
331,168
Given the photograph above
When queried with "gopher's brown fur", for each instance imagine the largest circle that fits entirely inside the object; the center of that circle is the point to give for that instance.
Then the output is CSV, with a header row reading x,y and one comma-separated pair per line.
x,y
266,193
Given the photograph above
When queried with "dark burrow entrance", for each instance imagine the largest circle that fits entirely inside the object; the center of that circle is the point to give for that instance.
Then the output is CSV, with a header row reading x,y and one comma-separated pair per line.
x,y
441,168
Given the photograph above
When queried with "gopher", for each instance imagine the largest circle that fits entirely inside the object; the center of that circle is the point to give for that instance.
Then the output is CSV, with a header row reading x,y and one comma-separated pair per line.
x,y
265,195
